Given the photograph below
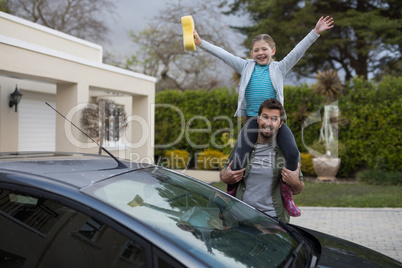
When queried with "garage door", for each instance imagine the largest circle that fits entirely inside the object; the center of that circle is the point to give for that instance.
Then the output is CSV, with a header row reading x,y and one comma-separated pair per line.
x,y
37,122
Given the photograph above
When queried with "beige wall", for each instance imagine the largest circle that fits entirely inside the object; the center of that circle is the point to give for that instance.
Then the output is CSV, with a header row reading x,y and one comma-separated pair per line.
x,y
74,78
26,31
8,120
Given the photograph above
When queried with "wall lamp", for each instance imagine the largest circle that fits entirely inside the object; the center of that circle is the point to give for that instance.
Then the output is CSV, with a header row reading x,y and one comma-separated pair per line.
x,y
15,98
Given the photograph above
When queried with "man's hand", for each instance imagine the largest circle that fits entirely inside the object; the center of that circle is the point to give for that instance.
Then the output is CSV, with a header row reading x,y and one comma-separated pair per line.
x,y
323,24
230,176
291,178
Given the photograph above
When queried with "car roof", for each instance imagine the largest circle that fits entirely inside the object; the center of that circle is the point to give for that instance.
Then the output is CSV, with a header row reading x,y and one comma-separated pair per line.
x,y
76,169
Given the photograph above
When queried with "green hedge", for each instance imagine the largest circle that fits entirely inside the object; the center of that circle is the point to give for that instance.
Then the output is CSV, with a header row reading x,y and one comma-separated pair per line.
x,y
300,102
195,120
369,125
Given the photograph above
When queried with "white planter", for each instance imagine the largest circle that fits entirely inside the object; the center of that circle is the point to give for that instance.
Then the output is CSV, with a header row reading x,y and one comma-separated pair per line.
x,y
326,167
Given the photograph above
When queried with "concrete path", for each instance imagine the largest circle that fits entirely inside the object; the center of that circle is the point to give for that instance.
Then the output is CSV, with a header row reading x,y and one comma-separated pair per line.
x,y
379,229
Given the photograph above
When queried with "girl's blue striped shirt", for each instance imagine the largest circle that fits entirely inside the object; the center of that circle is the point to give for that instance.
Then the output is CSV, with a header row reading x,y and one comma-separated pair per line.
x,y
258,89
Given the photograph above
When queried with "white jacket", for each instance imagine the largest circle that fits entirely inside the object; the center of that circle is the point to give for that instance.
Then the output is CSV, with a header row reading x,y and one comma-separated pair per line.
x,y
245,67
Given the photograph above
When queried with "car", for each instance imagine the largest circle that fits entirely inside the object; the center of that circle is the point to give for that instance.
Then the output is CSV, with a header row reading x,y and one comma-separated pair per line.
x,y
62,209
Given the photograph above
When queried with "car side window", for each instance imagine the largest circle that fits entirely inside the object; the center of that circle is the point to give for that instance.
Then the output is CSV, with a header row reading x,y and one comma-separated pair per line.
x,y
37,232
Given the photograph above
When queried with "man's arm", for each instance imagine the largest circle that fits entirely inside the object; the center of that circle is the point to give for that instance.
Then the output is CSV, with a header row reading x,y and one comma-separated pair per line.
x,y
292,179
228,175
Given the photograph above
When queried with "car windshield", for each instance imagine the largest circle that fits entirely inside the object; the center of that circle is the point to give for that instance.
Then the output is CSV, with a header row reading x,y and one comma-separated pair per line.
x,y
211,225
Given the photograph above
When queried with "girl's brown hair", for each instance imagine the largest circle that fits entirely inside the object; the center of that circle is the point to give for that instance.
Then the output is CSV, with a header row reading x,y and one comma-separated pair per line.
x,y
265,37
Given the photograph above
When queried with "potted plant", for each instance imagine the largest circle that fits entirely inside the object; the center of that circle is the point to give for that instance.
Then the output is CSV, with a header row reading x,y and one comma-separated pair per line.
x,y
326,165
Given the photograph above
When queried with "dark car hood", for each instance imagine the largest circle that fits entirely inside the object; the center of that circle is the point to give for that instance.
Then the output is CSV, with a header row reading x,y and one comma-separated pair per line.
x,y
337,252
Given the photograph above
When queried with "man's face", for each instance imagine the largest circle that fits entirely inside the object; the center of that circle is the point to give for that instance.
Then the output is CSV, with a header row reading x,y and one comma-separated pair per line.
x,y
269,122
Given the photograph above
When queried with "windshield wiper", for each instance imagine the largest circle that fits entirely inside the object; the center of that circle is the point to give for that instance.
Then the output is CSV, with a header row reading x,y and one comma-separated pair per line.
x,y
294,254
302,242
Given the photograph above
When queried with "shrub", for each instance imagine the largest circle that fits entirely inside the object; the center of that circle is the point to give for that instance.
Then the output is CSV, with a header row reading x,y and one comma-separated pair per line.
x,y
195,119
371,128
307,164
336,149
211,160
368,126
177,158
300,102
228,141
380,177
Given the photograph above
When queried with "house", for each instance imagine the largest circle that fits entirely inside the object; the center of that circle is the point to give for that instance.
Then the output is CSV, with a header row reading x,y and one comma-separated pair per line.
x,y
67,72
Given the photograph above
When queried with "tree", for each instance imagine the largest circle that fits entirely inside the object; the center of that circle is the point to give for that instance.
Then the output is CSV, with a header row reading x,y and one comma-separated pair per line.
x,y
4,6
392,68
80,18
367,33
161,53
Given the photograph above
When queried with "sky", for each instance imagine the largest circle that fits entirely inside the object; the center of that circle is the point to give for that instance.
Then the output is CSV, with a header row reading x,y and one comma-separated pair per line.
x,y
135,15
130,15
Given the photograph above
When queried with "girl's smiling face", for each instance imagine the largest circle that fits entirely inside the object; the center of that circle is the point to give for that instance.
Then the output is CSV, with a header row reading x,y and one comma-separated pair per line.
x,y
262,52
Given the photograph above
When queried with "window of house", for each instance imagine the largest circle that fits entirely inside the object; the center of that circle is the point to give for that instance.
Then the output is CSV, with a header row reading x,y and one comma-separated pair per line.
x,y
105,120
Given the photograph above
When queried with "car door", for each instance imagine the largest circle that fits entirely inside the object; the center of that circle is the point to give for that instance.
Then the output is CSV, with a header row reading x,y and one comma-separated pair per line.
x,y
37,231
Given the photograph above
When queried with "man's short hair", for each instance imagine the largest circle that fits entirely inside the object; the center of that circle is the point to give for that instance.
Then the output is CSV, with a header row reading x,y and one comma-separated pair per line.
x,y
272,104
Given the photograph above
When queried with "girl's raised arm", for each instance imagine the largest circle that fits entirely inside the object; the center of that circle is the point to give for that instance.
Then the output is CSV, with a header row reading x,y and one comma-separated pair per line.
x,y
323,24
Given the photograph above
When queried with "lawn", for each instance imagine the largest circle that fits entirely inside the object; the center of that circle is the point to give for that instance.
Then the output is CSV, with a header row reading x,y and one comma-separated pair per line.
x,y
345,195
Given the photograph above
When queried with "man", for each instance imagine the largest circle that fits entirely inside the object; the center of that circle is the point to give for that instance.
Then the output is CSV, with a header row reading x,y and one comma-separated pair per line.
x,y
259,183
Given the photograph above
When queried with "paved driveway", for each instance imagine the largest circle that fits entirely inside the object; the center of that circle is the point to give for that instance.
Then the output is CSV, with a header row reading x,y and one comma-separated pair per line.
x,y
377,228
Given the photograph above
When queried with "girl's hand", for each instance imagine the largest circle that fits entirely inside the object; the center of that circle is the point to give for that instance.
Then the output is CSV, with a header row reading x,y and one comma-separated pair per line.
x,y
323,24
197,39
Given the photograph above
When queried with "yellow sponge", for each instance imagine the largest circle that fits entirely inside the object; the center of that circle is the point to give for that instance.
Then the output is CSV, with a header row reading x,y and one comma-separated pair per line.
x,y
187,24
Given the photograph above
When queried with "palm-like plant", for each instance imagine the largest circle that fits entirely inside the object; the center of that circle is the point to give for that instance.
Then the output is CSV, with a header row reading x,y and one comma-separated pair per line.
x,y
328,85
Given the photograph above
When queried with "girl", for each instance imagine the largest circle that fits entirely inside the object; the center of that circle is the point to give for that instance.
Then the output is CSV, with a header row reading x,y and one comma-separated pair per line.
x,y
262,78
